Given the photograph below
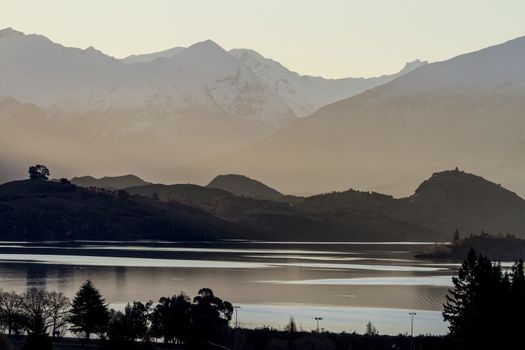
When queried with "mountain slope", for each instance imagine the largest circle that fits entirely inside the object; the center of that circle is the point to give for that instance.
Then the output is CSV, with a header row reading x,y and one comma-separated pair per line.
x,y
466,111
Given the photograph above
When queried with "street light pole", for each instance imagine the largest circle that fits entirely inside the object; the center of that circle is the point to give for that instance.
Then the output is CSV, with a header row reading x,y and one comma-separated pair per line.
x,y
318,319
236,319
412,314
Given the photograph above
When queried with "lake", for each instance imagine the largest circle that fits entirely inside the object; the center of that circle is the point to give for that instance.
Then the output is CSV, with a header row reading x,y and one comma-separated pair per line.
x,y
347,284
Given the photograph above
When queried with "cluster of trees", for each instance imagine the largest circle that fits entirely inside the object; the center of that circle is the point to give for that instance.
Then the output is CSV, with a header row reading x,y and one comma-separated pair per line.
x,y
36,313
486,308
178,319
38,172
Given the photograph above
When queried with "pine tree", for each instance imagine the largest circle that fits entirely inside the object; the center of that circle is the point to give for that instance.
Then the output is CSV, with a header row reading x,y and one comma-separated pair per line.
x,y
482,309
89,313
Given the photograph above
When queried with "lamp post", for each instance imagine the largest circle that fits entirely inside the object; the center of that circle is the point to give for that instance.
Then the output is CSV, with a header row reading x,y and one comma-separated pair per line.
x,y
236,319
318,319
412,314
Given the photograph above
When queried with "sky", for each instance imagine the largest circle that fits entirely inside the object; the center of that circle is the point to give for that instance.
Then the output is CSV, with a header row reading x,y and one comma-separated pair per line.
x,y
330,38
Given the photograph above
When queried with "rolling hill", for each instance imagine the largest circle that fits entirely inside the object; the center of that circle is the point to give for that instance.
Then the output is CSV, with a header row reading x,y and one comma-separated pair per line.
x,y
241,185
447,201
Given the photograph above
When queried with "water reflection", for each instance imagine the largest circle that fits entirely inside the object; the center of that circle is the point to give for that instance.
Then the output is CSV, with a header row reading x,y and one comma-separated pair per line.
x,y
272,281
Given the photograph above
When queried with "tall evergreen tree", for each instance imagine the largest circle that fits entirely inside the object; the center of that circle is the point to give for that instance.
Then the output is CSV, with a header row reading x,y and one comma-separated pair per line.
x,y
482,308
89,313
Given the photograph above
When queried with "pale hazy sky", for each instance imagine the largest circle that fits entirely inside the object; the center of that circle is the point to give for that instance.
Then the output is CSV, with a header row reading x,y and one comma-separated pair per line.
x,y
332,38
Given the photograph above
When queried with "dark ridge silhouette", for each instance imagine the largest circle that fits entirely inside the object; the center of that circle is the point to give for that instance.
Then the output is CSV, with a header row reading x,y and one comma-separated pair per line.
x,y
241,185
192,195
109,182
46,210
447,201
282,220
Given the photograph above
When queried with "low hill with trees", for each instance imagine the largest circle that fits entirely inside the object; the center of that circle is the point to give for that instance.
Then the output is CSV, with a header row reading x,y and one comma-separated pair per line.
x,y
40,209
47,210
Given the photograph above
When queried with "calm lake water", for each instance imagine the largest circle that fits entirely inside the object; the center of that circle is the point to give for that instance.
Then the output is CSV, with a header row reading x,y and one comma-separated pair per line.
x,y
348,284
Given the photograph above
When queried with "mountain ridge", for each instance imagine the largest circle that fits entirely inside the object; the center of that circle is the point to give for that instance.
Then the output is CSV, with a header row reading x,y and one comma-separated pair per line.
x,y
447,201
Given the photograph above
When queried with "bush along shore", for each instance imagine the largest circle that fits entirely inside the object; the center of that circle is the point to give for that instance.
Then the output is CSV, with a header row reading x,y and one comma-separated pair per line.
x,y
485,310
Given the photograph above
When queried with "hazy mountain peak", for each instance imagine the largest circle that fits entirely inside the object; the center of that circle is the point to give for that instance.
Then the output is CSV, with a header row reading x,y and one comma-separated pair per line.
x,y
204,47
149,57
410,66
9,31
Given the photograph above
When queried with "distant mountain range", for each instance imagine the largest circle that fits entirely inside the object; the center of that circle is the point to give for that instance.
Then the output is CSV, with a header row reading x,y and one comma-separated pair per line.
x,y
447,201
304,94
466,111
201,80
186,114
186,104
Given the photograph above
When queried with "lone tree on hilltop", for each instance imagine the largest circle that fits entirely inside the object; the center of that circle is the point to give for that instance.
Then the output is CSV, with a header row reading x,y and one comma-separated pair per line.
x,y
89,313
38,172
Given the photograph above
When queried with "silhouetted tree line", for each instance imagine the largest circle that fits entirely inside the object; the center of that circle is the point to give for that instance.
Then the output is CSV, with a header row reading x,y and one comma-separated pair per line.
x,y
42,315
36,313
496,247
486,308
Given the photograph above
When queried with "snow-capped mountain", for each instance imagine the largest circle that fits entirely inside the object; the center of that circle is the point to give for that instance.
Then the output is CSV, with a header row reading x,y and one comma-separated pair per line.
x,y
303,93
201,80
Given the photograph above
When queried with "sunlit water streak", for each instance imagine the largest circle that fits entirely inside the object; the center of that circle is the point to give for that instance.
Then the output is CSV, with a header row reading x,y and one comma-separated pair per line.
x,y
441,281
83,260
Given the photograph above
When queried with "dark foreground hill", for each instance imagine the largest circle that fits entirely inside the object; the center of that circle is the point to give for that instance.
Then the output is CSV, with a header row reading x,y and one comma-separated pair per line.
x,y
281,220
445,202
42,210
